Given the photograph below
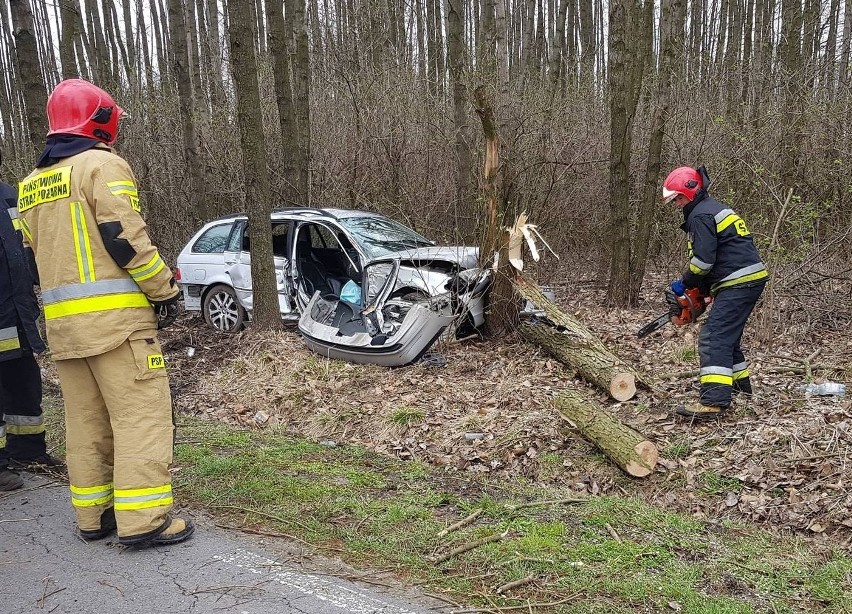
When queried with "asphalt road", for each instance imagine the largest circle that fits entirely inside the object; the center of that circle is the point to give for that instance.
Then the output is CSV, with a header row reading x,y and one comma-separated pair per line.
x,y
46,568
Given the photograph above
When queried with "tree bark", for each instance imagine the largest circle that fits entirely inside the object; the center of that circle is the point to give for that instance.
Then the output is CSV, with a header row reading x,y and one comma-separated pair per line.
x,y
628,449
265,314
29,72
301,66
569,341
456,58
627,39
280,45
187,108
66,40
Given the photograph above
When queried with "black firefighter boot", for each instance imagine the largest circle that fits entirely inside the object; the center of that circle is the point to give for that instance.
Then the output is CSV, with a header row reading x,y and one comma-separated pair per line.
x,y
9,480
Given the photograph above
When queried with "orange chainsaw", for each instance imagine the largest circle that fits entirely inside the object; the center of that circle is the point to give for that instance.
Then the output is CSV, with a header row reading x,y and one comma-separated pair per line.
x,y
683,309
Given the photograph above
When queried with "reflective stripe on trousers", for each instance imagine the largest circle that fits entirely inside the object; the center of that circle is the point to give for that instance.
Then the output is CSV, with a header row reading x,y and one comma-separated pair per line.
x,y
719,343
24,425
9,339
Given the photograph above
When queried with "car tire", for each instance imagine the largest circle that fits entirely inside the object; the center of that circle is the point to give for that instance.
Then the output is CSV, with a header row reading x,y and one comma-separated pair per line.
x,y
222,311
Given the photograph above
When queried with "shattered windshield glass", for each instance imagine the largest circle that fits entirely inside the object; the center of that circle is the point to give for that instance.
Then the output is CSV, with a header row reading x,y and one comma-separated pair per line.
x,y
380,236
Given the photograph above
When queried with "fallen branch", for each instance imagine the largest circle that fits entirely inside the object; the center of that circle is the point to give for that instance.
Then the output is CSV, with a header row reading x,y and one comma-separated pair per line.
x,y
470,546
505,588
260,513
461,523
525,606
519,506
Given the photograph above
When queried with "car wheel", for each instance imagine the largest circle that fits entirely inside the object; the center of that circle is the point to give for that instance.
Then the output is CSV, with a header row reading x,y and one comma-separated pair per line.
x,y
222,310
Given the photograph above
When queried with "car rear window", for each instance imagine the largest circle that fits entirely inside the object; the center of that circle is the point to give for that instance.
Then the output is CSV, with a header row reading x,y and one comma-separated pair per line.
x,y
213,240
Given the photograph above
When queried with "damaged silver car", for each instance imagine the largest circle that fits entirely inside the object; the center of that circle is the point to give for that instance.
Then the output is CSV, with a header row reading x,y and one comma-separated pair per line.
x,y
361,286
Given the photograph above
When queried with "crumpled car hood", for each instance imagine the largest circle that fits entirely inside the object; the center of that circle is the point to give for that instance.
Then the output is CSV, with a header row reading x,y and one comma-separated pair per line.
x,y
467,257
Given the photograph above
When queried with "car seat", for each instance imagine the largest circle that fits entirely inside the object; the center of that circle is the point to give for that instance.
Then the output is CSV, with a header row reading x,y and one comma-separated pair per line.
x,y
312,271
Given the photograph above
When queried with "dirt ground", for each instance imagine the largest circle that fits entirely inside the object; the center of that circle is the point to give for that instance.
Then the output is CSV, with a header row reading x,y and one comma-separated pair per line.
x,y
781,460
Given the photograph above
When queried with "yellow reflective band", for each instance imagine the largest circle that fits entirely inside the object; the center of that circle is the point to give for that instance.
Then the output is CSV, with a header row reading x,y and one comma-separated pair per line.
x,y
740,280
741,374
43,188
7,345
156,361
90,496
141,505
727,222
2,441
24,429
142,492
143,498
26,230
151,262
127,191
118,185
149,270
697,271
95,303
85,262
90,490
715,378
16,223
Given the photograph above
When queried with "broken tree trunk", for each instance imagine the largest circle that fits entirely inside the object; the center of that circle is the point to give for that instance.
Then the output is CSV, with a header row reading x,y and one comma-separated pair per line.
x,y
627,448
570,342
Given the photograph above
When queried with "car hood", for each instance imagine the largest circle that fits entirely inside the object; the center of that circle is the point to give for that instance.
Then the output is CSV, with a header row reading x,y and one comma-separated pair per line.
x,y
465,256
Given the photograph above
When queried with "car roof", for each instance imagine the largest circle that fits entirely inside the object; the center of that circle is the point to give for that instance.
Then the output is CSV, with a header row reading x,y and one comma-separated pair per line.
x,y
306,213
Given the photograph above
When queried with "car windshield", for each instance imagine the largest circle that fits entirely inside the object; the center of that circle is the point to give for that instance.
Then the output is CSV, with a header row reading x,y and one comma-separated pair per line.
x,y
380,236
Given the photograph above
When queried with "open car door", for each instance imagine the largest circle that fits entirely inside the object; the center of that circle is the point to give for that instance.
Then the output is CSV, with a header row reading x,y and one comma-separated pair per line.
x,y
379,330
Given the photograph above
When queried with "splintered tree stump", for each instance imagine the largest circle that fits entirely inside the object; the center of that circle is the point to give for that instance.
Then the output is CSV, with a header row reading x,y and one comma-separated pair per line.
x,y
571,343
628,449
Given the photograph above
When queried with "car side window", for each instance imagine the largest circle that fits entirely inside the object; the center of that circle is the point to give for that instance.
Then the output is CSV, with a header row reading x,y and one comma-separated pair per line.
x,y
235,241
213,241
322,237
279,239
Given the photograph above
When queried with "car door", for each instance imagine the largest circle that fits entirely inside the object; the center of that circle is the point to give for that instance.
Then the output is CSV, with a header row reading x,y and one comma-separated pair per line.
x,y
323,259
238,265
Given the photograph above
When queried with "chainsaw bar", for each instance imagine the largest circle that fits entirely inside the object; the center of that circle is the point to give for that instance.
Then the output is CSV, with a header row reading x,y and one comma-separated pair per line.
x,y
655,325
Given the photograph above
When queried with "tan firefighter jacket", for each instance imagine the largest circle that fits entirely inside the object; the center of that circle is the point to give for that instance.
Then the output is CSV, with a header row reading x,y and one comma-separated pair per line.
x,y
99,271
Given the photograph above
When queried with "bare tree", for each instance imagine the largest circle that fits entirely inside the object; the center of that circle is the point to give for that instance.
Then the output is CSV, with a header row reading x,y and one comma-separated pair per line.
x,y
629,37
258,203
187,107
32,84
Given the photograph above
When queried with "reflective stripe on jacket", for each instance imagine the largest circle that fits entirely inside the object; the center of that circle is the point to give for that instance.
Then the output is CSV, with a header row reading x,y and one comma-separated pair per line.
x,y
722,253
19,309
99,271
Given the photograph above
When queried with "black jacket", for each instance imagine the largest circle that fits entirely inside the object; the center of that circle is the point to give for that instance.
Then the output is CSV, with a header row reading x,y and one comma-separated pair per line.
x,y
722,253
19,308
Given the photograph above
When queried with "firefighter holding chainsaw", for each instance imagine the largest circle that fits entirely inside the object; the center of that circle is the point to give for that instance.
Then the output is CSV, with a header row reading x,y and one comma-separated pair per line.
x,y
723,264
105,291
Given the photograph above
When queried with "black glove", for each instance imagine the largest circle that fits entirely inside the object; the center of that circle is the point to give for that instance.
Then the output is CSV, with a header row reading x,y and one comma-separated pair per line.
x,y
167,312
674,307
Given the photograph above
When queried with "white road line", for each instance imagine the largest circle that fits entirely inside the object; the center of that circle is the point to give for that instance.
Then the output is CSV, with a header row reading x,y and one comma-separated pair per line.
x,y
346,598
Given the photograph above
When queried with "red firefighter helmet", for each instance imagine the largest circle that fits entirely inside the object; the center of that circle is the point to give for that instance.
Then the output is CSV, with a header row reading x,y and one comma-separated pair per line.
x,y
683,180
81,108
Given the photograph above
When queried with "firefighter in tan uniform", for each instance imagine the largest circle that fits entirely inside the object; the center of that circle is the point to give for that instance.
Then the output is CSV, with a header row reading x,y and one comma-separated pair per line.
x,y
105,290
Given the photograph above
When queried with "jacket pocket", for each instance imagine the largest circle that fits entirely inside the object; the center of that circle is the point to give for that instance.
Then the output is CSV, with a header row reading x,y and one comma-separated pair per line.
x,y
147,354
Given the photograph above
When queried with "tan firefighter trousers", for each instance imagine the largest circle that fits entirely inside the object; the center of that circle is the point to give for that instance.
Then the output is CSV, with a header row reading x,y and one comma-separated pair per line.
x,y
120,433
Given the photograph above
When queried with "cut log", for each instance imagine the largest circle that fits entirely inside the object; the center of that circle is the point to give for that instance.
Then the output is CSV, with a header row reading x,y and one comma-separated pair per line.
x,y
571,343
628,449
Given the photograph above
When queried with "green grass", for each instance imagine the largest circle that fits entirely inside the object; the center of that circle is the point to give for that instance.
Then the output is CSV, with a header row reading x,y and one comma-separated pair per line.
x,y
686,354
608,554
605,555
406,416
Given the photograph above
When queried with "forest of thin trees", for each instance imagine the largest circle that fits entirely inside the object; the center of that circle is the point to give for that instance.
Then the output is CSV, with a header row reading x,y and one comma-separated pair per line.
x,y
369,104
